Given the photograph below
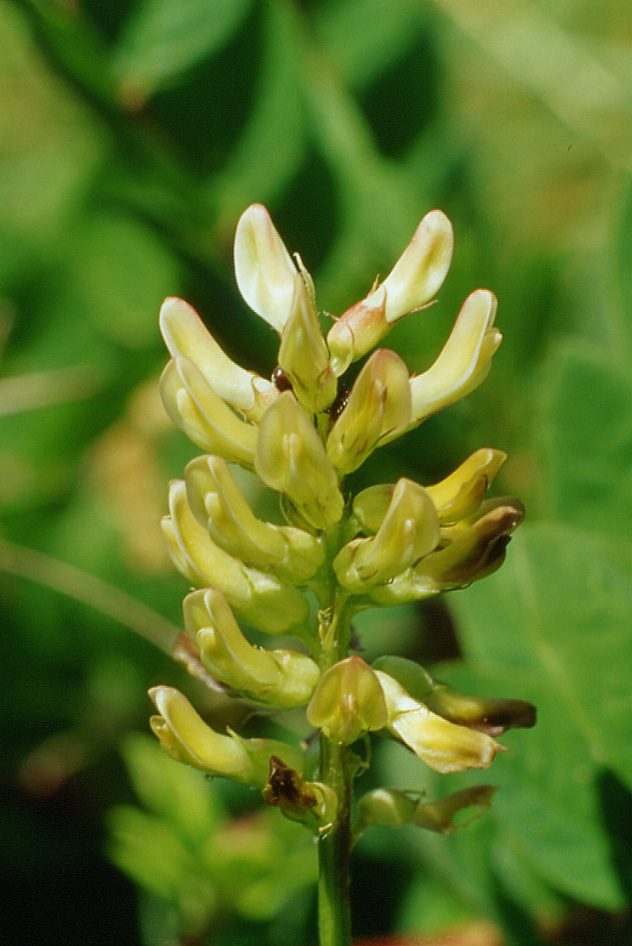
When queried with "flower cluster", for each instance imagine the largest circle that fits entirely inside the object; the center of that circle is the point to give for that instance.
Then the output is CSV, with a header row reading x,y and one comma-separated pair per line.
x,y
301,432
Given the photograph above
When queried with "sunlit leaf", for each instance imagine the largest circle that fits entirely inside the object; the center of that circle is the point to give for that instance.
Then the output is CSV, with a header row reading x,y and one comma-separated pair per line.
x,y
554,624
587,434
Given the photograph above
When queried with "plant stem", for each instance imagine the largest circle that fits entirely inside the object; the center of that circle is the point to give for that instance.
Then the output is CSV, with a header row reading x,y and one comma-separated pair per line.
x,y
334,914
336,771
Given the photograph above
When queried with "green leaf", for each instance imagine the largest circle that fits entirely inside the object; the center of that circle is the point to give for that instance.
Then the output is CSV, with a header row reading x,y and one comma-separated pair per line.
x,y
569,850
587,434
122,274
164,39
272,142
147,849
365,36
553,626
178,794
623,327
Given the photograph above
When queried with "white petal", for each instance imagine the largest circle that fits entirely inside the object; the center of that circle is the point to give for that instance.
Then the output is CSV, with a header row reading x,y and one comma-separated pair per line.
x,y
263,267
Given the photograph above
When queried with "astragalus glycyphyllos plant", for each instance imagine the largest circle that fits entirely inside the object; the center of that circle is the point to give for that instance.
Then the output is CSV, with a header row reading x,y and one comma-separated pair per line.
x,y
302,432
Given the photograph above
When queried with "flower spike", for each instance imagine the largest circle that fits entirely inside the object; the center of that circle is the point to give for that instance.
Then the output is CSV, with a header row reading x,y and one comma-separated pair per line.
x,y
329,554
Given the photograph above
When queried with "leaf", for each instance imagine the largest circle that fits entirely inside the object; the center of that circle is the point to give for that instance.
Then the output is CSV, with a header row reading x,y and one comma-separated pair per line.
x,y
272,141
587,433
164,39
122,273
553,626
624,253
365,36
175,793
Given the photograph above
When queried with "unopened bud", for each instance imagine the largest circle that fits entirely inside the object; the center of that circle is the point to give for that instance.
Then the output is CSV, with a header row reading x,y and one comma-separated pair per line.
x,y
378,409
348,701
185,736
303,355
291,458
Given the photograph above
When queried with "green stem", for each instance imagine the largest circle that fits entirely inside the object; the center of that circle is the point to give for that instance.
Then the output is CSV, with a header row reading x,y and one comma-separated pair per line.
x,y
336,771
334,913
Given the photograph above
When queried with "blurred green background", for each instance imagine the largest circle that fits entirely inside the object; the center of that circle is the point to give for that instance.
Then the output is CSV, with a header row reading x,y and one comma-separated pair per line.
x,y
133,133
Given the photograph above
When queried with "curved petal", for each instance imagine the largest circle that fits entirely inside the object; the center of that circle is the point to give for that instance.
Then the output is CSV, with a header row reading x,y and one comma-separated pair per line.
x,y
263,267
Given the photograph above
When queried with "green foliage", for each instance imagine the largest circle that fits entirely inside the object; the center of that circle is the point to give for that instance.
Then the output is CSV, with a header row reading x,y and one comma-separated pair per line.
x,y
134,134
161,42
181,847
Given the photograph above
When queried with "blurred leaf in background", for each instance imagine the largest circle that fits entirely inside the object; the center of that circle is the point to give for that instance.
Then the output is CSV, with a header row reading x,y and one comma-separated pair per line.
x,y
133,133
202,868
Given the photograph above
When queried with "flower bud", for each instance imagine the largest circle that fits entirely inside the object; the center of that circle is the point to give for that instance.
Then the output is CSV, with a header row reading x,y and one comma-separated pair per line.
x,y
395,808
348,701
311,803
460,494
291,458
217,503
303,354
409,530
491,716
441,744
185,334
378,410
283,678
186,737
261,600
464,361
263,267
195,408
412,282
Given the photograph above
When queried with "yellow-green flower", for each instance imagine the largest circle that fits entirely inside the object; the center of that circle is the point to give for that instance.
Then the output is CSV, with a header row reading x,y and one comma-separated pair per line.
x,y
329,554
